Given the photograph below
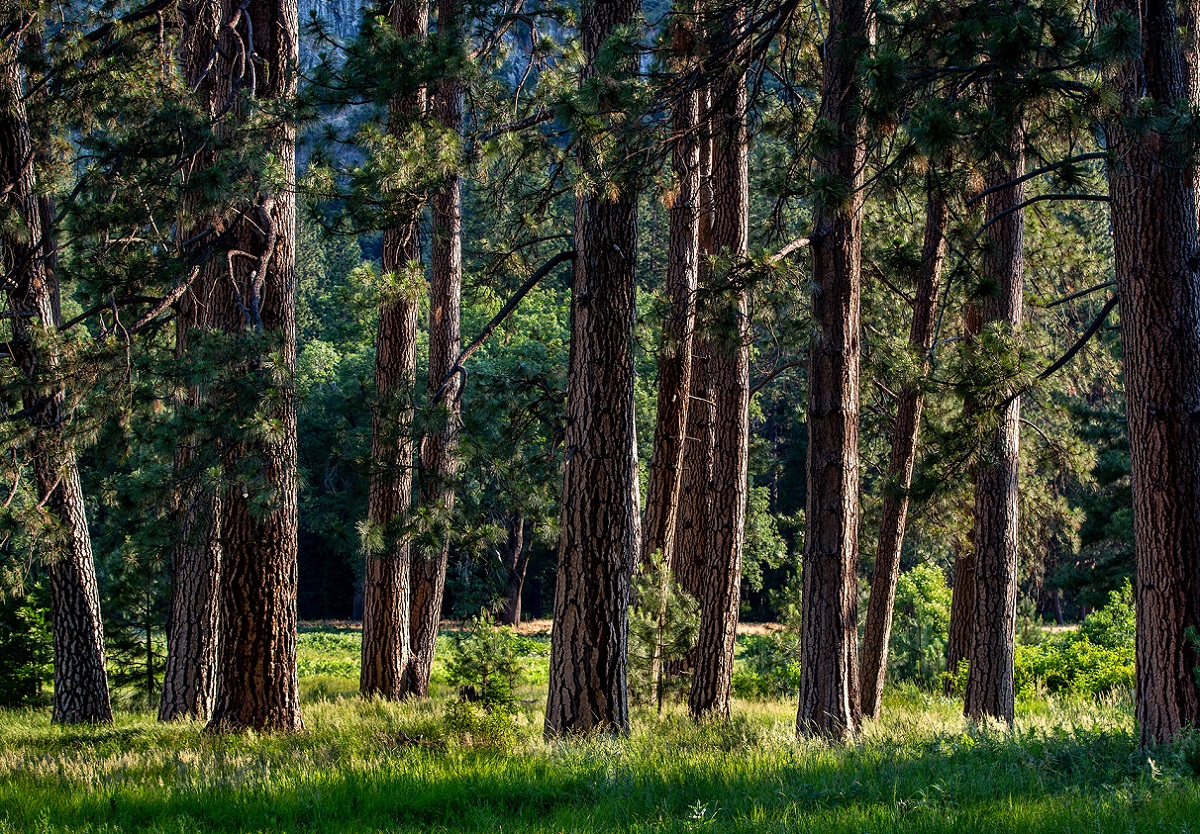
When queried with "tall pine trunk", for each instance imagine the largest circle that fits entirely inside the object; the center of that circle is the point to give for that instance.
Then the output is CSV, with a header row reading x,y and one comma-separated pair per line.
x,y
695,478
600,520
386,647
439,447
903,458
675,352
80,679
829,698
257,685
990,653
720,579
1152,187
193,630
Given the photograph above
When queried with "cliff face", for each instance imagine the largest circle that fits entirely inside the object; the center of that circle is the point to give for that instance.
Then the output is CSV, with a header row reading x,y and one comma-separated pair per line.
x,y
340,17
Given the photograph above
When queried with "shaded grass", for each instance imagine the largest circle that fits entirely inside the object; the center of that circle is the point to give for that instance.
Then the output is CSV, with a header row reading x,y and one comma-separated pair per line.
x,y
1069,766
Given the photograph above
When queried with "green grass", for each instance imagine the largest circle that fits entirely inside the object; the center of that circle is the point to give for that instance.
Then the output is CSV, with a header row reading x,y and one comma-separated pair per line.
x,y
1069,766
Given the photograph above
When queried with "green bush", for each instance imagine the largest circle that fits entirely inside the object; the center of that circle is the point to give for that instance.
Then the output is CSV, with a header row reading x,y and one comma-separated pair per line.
x,y
921,622
25,647
1094,660
664,622
769,665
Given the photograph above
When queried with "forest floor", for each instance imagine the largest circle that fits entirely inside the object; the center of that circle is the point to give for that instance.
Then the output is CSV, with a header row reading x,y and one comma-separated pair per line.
x,y
1068,766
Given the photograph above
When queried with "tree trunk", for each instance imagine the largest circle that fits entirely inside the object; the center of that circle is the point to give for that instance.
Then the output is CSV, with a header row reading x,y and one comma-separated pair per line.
x,y
257,686
80,679
695,480
386,646
675,353
439,458
193,630
600,534
829,699
990,676
1153,209
190,672
905,433
962,609
516,561
720,581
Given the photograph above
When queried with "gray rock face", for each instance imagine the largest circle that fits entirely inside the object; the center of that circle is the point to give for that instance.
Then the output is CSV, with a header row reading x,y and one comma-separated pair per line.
x,y
341,18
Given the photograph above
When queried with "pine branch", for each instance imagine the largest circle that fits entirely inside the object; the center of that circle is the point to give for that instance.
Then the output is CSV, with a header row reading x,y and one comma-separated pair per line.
x,y
762,383
1083,340
1037,172
498,319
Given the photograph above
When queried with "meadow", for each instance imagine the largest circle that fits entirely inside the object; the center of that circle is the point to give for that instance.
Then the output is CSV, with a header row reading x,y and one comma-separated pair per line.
x,y
1069,765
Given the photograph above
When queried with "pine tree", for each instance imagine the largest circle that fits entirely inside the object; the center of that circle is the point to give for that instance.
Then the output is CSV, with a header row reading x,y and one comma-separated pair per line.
x,y
31,289
1152,188
829,697
600,518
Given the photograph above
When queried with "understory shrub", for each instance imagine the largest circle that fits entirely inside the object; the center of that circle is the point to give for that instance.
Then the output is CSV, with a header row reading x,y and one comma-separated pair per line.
x,y
921,622
769,665
24,653
664,623
1093,660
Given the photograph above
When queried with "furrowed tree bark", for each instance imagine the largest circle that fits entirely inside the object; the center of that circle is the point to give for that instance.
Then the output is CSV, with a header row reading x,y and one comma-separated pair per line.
x,y
439,447
695,488
990,654
257,686
190,672
600,535
721,577
903,458
675,353
1152,186
829,698
387,589
516,561
80,679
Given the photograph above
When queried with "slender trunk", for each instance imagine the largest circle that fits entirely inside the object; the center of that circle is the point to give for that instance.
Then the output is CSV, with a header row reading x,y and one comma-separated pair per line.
x,y
720,582
439,458
386,647
190,673
257,686
600,535
516,561
695,488
80,679
1152,186
905,433
829,699
675,354
962,608
990,654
